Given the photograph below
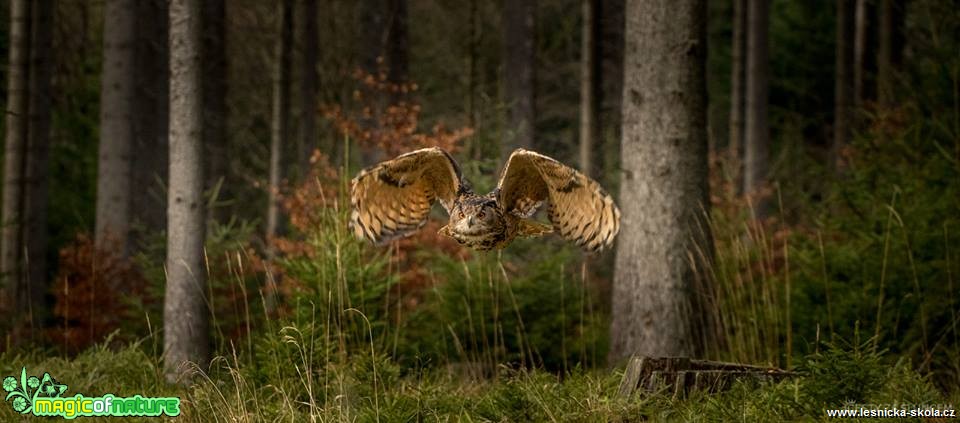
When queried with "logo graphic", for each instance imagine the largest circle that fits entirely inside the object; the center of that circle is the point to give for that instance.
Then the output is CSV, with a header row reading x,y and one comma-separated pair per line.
x,y
43,396
25,392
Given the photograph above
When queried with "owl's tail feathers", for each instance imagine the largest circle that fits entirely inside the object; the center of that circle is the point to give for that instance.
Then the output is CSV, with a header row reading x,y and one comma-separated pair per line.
x,y
528,228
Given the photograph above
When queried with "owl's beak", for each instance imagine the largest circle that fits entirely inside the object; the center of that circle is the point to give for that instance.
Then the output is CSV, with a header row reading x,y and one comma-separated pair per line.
x,y
470,222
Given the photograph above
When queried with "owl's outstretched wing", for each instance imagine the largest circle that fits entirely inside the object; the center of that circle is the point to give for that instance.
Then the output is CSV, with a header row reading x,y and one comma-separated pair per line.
x,y
393,198
580,210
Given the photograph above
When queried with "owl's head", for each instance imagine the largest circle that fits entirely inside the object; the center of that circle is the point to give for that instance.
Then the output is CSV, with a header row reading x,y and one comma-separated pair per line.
x,y
475,216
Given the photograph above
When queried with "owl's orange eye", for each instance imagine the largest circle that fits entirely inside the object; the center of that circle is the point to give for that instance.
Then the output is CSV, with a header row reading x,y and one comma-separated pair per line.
x,y
461,215
480,215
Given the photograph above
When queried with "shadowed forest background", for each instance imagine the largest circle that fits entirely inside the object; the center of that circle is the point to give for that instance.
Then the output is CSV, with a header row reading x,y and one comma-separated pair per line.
x,y
827,160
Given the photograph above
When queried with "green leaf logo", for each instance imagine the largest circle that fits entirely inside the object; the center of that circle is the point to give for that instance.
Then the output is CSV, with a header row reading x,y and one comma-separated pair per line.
x,y
24,392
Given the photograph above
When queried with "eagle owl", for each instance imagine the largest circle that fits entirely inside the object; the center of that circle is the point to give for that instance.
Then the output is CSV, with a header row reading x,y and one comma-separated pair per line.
x,y
393,199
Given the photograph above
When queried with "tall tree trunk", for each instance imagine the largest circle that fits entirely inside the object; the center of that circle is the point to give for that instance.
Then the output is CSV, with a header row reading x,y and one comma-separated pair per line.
x,y
473,150
13,157
589,88
151,119
280,126
859,51
374,38
737,91
611,56
664,150
843,83
37,163
214,62
886,35
757,136
519,68
116,126
399,44
310,37
185,321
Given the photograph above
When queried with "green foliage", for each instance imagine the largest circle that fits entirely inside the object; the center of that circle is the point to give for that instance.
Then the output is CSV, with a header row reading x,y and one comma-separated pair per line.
x,y
479,315
870,253
889,234
840,375
373,388
871,249
338,298
99,370
233,289
345,303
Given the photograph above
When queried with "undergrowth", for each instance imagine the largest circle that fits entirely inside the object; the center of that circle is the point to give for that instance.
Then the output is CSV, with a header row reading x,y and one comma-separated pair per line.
x,y
375,388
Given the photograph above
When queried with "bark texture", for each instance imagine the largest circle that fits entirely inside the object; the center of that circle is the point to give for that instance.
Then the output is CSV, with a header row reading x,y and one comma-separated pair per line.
x,y
399,45
757,136
116,126
15,144
886,40
589,88
859,51
611,58
309,135
151,119
473,45
843,82
280,125
215,112
374,38
664,182
737,90
37,163
519,68
185,319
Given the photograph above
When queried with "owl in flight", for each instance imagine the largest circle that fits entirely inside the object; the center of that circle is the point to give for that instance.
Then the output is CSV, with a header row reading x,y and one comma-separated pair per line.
x,y
393,199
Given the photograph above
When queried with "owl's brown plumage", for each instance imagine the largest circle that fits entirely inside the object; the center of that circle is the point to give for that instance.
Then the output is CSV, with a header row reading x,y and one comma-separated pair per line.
x,y
393,198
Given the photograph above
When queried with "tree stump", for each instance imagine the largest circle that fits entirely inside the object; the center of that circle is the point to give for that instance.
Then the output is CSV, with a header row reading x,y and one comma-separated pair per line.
x,y
680,375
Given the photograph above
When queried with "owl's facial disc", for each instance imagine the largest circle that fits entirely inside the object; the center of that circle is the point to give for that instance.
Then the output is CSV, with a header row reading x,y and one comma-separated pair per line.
x,y
475,219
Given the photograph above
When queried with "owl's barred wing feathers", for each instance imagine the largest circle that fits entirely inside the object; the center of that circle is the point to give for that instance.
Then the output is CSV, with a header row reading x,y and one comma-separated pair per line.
x,y
393,198
580,210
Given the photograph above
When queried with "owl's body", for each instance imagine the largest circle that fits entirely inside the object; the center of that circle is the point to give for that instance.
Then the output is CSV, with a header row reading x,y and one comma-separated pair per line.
x,y
478,222
393,199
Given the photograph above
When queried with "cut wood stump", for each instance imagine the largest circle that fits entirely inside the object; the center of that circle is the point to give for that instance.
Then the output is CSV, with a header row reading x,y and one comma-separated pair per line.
x,y
680,375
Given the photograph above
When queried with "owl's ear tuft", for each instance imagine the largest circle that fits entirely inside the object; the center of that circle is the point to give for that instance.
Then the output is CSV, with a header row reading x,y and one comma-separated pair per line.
x,y
465,186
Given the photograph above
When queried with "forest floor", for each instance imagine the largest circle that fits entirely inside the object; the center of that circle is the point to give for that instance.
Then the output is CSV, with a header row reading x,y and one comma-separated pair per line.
x,y
375,389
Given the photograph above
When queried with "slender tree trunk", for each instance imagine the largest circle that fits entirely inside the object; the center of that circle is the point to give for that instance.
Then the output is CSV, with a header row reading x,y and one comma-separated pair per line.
x,y
308,131
885,53
737,91
214,62
13,157
859,51
589,88
472,74
37,163
612,12
519,67
377,17
664,149
843,87
116,126
186,332
151,119
399,44
757,136
374,38
473,150
279,130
